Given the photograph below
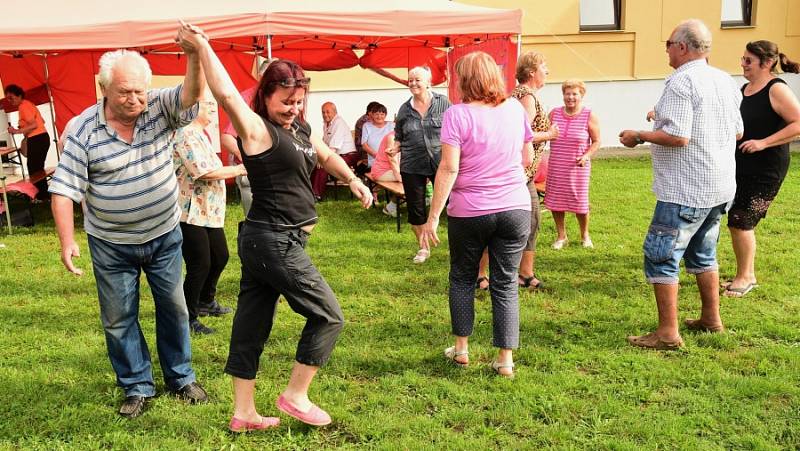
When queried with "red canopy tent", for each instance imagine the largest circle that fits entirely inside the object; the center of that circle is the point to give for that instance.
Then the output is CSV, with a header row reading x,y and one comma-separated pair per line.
x,y
59,49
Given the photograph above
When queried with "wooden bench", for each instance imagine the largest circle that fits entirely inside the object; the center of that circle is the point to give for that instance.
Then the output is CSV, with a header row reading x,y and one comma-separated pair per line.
x,y
34,178
13,155
395,188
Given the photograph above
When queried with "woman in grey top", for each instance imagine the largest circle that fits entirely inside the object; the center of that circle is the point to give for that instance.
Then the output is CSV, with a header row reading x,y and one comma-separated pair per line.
x,y
417,129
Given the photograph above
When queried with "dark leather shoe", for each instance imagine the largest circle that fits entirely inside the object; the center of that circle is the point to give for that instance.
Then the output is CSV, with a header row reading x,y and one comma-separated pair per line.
x,y
199,328
192,392
133,406
213,309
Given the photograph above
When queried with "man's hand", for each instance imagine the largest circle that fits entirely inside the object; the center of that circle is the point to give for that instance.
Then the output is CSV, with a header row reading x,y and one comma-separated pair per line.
x,y
629,138
361,192
651,116
68,252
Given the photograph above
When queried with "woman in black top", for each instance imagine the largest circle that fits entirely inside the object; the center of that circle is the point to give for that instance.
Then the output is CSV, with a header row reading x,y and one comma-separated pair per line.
x,y
417,130
279,154
771,115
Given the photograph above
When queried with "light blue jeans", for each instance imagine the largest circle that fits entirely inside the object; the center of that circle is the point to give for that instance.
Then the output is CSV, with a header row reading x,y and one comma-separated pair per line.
x,y
117,269
680,232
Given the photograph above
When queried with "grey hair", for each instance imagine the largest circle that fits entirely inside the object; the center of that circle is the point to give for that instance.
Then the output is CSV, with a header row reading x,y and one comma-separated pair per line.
x,y
423,72
112,60
695,34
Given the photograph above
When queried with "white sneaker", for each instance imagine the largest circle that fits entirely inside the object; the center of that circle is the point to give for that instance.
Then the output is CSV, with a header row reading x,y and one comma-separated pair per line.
x,y
587,243
559,244
390,209
421,256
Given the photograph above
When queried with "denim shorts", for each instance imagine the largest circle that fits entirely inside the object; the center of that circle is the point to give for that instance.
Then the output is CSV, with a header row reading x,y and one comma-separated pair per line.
x,y
676,232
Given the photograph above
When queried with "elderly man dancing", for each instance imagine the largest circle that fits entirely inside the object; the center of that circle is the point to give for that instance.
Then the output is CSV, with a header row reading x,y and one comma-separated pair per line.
x,y
117,161
697,122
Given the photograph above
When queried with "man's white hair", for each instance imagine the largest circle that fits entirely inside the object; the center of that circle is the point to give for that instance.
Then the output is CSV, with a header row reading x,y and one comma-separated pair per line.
x,y
422,72
113,60
695,34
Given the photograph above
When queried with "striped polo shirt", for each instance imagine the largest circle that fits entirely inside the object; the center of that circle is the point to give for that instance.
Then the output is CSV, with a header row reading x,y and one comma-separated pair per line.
x,y
129,191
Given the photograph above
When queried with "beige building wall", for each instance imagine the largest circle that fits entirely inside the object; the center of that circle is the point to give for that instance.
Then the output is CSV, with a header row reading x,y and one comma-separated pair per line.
x,y
637,51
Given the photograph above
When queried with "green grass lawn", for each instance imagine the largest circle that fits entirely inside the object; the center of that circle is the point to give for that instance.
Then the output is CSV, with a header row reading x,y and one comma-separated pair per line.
x,y
578,385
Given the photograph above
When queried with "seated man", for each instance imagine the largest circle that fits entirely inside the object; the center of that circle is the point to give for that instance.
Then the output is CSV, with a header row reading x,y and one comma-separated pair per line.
x,y
336,134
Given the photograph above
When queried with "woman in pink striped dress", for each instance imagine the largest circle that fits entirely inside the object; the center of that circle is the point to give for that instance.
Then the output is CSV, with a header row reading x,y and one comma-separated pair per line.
x,y
569,167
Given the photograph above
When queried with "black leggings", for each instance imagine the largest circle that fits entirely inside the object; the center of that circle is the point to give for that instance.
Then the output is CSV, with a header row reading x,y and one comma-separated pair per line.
x,y
505,234
37,154
205,252
414,186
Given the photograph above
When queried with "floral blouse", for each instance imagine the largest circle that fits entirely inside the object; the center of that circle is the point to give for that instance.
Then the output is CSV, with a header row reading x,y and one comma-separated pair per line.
x,y
202,202
540,123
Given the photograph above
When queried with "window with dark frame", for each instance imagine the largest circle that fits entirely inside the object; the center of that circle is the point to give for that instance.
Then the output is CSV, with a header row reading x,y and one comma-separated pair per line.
x,y
737,13
599,15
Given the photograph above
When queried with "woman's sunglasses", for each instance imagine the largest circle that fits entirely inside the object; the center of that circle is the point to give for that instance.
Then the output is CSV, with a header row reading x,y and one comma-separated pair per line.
x,y
293,82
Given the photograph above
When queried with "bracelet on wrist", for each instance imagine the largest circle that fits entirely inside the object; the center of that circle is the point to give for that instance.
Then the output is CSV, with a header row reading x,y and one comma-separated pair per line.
x,y
639,139
352,179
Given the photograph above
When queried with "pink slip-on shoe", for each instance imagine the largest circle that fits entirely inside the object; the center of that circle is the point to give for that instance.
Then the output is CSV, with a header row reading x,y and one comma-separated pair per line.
x,y
315,416
238,425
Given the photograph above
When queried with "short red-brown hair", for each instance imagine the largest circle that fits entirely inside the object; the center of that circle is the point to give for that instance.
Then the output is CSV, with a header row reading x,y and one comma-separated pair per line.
x,y
480,79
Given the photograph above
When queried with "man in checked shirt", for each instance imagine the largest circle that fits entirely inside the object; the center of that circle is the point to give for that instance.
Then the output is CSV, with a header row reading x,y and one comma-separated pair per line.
x,y
697,122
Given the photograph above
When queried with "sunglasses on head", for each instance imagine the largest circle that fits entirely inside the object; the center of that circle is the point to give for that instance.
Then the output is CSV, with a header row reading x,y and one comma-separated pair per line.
x,y
293,82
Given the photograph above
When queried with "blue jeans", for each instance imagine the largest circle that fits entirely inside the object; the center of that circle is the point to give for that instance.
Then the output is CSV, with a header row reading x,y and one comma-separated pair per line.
x,y
676,232
117,268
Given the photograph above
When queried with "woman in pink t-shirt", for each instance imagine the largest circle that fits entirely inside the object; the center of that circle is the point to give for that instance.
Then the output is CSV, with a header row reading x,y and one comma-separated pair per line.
x,y
386,168
486,143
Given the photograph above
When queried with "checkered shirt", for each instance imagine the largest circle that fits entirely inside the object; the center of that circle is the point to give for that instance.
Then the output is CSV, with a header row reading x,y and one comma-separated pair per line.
x,y
700,103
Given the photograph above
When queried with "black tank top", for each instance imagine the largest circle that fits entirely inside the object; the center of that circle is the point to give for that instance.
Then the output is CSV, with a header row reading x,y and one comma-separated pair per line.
x,y
760,121
280,178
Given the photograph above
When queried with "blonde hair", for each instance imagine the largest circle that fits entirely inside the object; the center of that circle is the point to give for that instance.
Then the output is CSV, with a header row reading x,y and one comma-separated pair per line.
x,y
480,79
573,83
528,62
422,72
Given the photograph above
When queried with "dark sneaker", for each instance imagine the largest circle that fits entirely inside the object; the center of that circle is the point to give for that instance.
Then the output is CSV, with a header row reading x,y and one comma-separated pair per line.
x,y
200,328
213,309
133,406
192,392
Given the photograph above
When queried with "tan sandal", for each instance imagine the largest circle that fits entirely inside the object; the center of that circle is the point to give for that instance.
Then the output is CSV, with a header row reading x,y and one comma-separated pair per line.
x,y
653,341
497,366
451,354
697,326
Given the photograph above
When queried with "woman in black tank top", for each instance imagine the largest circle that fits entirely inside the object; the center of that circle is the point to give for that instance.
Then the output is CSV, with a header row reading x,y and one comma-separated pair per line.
x,y
771,115
279,152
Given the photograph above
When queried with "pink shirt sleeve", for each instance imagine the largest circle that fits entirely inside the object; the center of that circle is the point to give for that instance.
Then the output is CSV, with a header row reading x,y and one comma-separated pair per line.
x,y
451,127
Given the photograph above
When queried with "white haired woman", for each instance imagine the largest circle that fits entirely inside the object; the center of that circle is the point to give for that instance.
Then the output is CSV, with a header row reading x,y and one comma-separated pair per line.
x,y
417,137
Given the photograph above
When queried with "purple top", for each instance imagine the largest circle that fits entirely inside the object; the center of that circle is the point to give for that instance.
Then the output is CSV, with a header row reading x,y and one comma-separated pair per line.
x,y
490,178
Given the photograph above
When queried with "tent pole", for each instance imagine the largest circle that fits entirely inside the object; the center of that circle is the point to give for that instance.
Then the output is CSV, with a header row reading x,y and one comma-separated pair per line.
x,y
52,105
269,47
519,45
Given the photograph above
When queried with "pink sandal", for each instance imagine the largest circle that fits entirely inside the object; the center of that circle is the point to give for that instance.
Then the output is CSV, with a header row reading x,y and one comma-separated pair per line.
x,y
238,425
